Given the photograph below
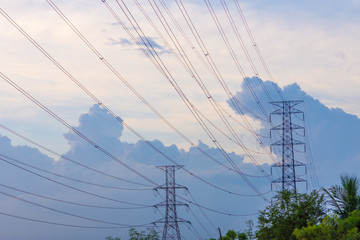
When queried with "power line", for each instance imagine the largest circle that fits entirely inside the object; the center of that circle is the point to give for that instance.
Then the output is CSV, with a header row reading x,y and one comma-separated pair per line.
x,y
234,101
71,187
76,162
217,211
68,213
64,224
65,177
31,98
196,77
173,82
199,222
257,48
115,72
73,203
71,128
179,91
186,63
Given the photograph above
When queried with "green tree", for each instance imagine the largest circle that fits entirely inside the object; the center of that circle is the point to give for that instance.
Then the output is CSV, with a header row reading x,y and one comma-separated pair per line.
x,y
345,197
150,234
242,236
332,228
111,238
290,211
232,235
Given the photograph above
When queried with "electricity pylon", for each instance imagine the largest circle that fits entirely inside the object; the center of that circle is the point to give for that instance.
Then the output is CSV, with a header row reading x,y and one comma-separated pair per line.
x,y
288,163
171,220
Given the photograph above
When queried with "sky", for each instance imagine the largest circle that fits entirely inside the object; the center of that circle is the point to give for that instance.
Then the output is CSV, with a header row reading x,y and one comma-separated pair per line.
x,y
310,49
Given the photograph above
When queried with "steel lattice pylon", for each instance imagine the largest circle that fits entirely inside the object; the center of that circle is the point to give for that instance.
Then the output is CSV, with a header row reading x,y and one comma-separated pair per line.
x,y
171,220
288,163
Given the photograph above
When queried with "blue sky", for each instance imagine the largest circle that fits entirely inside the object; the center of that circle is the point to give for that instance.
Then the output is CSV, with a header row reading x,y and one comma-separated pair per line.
x,y
312,44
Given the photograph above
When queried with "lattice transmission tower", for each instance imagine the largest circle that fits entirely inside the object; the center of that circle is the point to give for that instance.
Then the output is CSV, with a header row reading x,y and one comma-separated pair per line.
x,y
288,164
171,220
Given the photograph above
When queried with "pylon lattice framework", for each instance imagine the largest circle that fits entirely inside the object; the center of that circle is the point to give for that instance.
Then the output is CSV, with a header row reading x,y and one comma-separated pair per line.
x,y
171,220
288,163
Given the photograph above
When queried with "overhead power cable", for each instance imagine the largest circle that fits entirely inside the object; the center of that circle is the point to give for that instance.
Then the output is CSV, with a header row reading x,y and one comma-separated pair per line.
x,y
248,30
71,187
64,177
103,59
70,202
185,61
199,222
234,101
68,213
231,139
65,224
233,55
70,24
208,63
243,46
66,124
217,211
195,232
173,82
76,162
57,117
239,123
187,68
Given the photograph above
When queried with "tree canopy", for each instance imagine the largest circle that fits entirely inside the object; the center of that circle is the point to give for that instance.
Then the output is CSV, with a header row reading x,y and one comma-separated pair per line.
x,y
332,228
344,198
149,234
289,211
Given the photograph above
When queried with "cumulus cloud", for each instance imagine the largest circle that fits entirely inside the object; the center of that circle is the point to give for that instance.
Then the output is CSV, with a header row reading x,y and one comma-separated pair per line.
x,y
333,133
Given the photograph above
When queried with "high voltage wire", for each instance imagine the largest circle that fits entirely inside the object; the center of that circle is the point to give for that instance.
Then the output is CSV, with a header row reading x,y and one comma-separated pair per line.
x,y
66,177
69,186
249,32
80,35
114,71
97,146
215,70
248,57
309,156
53,114
238,122
227,136
197,53
210,68
257,48
202,211
64,224
73,203
101,104
31,98
233,55
196,77
76,162
217,211
201,225
67,213
173,82
240,40
168,45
